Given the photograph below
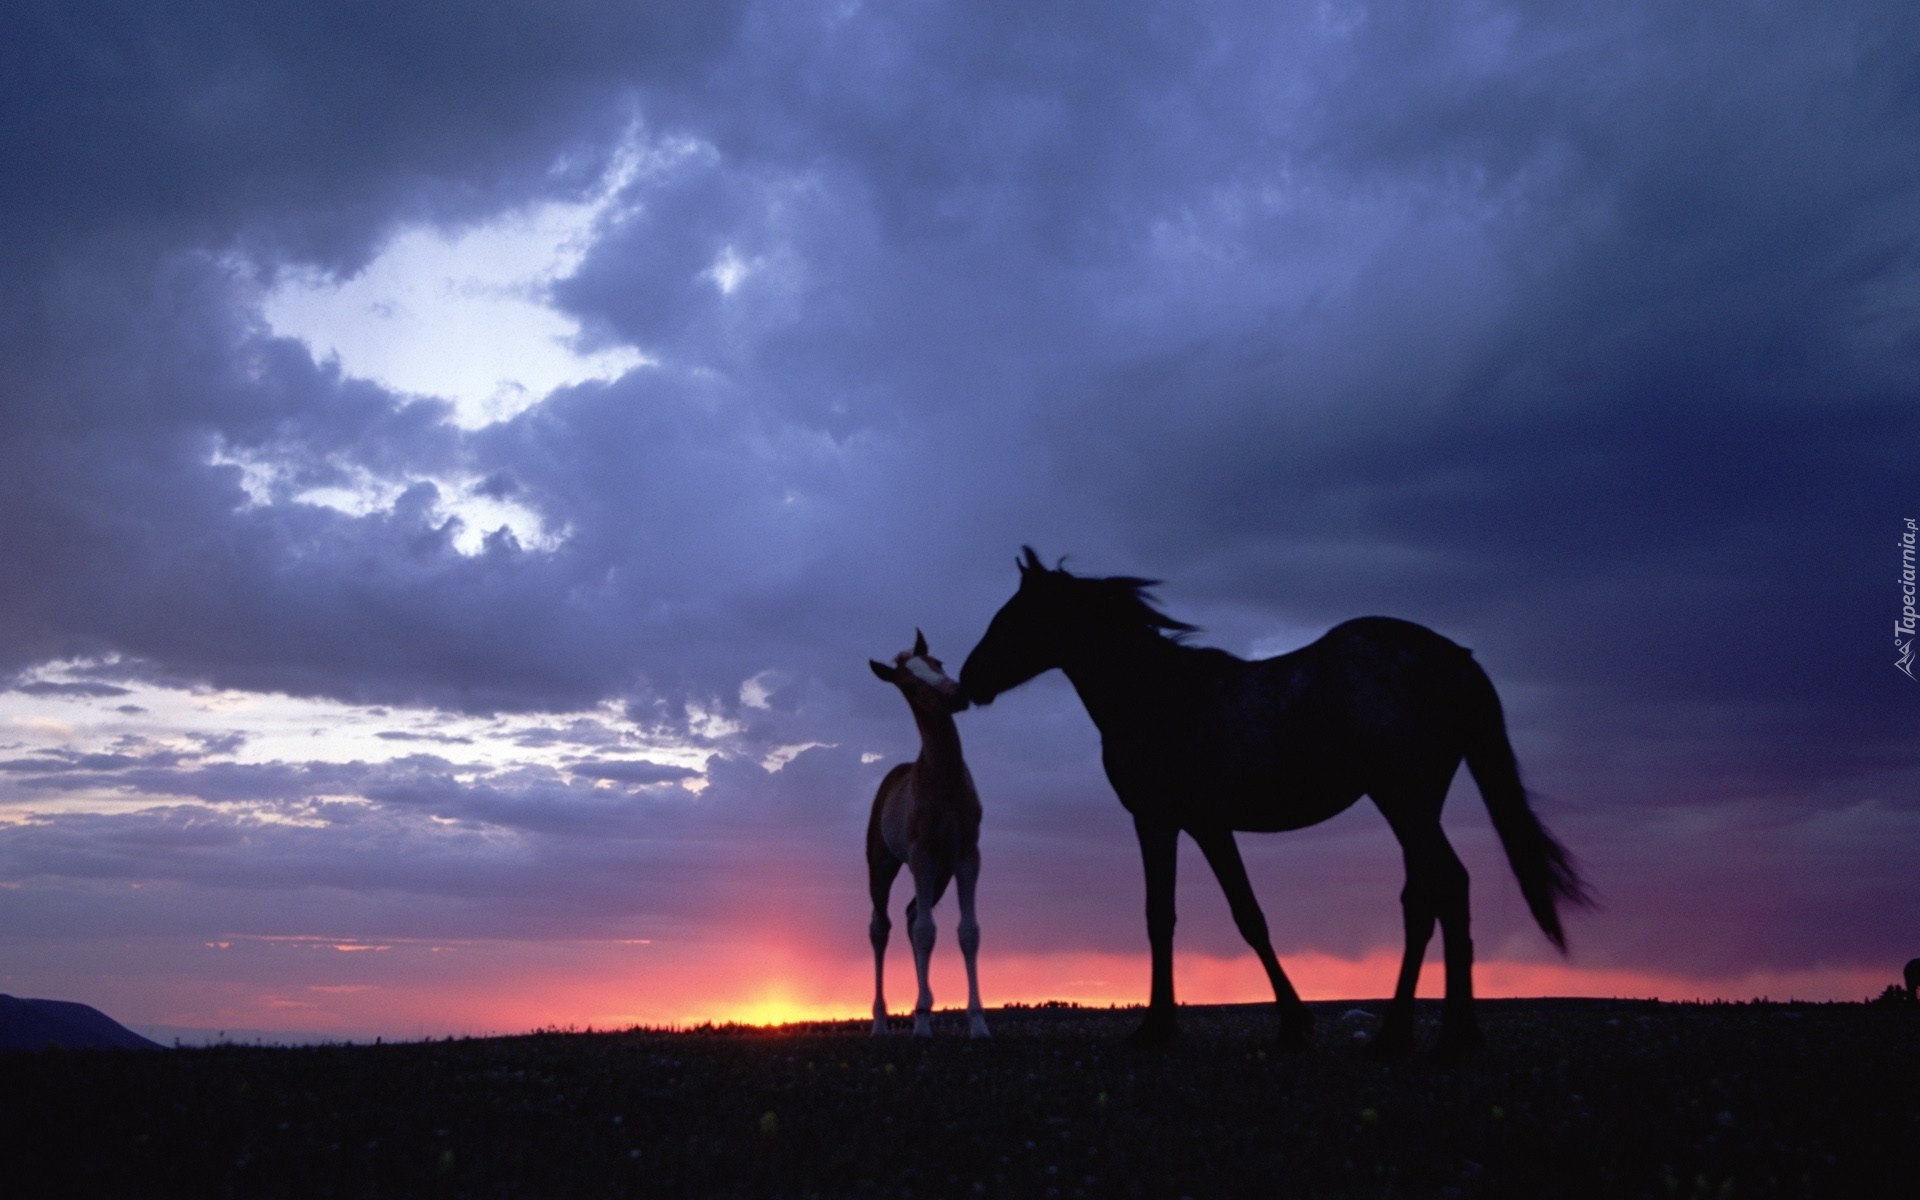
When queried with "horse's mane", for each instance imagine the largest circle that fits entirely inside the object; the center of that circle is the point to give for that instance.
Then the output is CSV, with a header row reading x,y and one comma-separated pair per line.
x,y
1124,600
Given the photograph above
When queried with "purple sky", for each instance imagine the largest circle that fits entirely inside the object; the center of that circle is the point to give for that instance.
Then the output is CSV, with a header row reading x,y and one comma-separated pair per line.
x,y
454,469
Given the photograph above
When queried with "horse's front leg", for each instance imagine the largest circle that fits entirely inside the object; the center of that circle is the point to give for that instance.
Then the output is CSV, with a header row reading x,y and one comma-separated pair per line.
x,y
926,893
1223,855
1159,854
965,877
881,869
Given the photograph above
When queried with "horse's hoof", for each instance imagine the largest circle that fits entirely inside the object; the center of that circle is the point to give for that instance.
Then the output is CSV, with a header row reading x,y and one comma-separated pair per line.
x,y
1390,1047
1454,1048
1296,1028
1154,1031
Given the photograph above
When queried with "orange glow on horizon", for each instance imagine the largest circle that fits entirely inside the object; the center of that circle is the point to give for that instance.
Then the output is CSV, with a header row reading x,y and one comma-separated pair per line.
x,y
484,988
816,988
828,993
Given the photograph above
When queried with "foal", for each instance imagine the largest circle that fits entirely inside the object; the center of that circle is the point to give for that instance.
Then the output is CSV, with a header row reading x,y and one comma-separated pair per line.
x,y
926,817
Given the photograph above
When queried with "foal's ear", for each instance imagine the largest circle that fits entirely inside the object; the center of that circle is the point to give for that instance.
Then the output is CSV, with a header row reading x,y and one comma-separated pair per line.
x,y
885,672
919,643
1030,561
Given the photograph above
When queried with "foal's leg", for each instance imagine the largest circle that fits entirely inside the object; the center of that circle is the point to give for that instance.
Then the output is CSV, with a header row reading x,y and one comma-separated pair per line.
x,y
1223,855
965,876
880,874
1159,853
927,886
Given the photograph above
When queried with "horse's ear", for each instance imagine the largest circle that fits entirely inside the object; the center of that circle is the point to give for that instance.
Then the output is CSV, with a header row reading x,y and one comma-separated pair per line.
x,y
919,643
1031,561
884,671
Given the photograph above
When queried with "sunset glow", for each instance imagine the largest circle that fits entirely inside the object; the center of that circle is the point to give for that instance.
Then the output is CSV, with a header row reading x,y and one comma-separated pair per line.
x,y
479,988
1095,980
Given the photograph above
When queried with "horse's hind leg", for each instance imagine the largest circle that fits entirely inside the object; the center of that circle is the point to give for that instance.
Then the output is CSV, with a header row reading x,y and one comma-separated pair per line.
x,y
1223,855
1459,1028
1395,1035
1436,889
880,875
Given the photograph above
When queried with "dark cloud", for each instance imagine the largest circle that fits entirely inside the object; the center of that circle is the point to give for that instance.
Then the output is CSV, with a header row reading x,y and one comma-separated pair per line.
x,y
79,688
579,731
311,131
72,764
404,735
631,771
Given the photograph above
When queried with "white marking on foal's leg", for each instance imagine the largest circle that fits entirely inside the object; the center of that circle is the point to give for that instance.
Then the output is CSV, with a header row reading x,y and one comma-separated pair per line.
x,y
969,933
922,934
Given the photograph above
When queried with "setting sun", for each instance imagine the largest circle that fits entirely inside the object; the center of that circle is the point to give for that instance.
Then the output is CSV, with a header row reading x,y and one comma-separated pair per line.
x,y
777,1004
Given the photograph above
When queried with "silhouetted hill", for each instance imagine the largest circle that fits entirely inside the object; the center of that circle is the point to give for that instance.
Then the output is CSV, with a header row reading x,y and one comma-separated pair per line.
x,y
43,1024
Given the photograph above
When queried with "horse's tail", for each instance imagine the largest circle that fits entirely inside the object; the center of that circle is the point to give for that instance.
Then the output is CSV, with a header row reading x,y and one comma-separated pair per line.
x,y
1544,867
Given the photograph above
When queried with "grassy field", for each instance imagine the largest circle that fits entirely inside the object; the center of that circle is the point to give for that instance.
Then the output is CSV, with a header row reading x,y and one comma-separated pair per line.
x,y
1571,1098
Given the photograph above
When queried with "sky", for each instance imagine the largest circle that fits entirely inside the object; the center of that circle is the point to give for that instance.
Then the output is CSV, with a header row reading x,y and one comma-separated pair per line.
x,y
457,460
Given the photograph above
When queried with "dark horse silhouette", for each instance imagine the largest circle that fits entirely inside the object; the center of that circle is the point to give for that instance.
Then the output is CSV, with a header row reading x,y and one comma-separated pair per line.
x,y
1197,740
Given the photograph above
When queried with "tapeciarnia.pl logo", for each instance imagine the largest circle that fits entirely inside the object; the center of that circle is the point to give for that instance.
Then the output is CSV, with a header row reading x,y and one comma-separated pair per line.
x,y
1903,628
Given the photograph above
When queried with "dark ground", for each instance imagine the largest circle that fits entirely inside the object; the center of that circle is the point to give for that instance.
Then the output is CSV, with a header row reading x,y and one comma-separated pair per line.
x,y
1570,1098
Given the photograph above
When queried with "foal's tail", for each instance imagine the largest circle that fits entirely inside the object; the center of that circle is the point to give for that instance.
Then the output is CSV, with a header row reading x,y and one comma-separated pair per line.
x,y
1544,867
